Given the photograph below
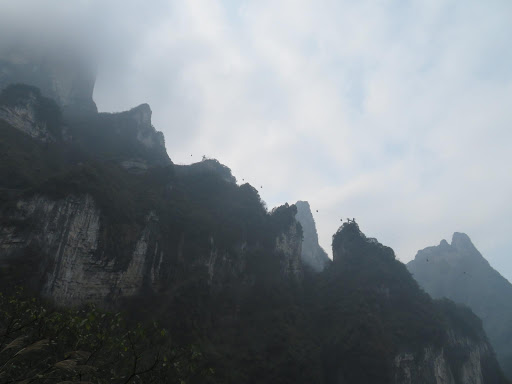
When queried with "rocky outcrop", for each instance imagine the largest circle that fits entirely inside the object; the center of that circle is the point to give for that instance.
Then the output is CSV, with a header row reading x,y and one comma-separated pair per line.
x,y
312,254
207,166
128,138
459,272
145,133
23,108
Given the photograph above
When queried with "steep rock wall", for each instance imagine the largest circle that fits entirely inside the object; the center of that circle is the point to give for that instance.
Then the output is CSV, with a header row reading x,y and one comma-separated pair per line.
x,y
436,365
75,267
289,247
67,232
312,254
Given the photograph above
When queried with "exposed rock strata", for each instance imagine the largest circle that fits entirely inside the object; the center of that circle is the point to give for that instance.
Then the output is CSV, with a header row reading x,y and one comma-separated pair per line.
x,y
312,254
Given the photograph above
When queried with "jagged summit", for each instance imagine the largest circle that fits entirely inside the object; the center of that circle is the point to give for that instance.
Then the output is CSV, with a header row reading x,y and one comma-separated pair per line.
x,y
204,256
142,114
349,242
463,243
459,272
312,253
460,247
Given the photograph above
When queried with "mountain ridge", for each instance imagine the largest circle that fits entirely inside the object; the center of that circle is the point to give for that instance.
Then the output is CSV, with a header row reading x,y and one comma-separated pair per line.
x,y
459,272
190,241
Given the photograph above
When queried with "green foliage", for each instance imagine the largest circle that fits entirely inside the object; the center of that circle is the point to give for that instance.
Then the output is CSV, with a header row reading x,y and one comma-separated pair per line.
x,y
39,343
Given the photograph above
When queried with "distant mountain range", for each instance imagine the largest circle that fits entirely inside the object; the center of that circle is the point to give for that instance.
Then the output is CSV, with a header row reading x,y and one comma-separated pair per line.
x,y
459,272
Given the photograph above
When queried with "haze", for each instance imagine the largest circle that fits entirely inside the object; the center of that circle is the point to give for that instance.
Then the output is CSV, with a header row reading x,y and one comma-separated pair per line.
x,y
394,113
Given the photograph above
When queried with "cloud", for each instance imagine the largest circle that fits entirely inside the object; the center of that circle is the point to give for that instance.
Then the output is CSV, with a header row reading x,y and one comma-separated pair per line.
x,y
395,113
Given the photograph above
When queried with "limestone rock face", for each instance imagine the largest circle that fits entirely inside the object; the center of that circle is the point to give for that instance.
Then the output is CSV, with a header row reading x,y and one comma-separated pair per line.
x,y
74,266
312,254
25,109
459,272
146,134
23,117
289,246
433,365
67,232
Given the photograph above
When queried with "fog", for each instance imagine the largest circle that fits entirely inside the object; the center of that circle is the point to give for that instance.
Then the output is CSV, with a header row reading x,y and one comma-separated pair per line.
x,y
396,114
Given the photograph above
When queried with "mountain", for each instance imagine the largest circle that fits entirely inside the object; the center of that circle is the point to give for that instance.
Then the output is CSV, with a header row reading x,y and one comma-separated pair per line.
x,y
62,74
459,272
388,329
92,209
312,254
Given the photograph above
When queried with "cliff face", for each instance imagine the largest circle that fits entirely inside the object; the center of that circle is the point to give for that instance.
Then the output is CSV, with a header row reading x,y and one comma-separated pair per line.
x,y
92,209
436,365
378,296
75,267
23,108
312,254
459,272
67,235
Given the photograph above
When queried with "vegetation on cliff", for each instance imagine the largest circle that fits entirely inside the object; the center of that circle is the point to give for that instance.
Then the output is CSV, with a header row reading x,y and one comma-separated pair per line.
x,y
251,322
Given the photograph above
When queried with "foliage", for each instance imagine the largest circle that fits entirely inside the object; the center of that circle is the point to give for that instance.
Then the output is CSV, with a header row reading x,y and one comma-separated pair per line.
x,y
39,343
252,325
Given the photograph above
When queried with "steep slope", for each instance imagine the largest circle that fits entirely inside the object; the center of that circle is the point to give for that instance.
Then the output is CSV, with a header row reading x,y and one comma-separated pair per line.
x,y
102,196
388,330
202,255
459,272
312,254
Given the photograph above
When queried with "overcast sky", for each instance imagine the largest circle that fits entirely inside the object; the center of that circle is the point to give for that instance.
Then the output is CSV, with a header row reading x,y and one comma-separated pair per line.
x,y
396,113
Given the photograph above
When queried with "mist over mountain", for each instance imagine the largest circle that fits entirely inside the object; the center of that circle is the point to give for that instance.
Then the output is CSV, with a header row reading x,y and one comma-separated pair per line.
x,y
93,210
459,272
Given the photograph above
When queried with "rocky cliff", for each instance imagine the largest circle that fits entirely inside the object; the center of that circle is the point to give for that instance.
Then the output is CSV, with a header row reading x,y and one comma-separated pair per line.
x,y
429,341
92,209
312,254
24,108
459,272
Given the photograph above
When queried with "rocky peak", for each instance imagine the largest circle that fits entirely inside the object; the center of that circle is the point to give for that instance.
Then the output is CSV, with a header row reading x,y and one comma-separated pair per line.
x,y
142,115
459,272
207,166
462,243
312,254
146,134
350,243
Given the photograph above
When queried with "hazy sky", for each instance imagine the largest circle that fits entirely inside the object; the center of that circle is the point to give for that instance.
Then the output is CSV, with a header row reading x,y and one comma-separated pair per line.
x,y
396,113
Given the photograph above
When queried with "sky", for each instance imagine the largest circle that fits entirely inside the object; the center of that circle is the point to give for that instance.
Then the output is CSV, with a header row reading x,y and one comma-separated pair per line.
x,y
395,113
